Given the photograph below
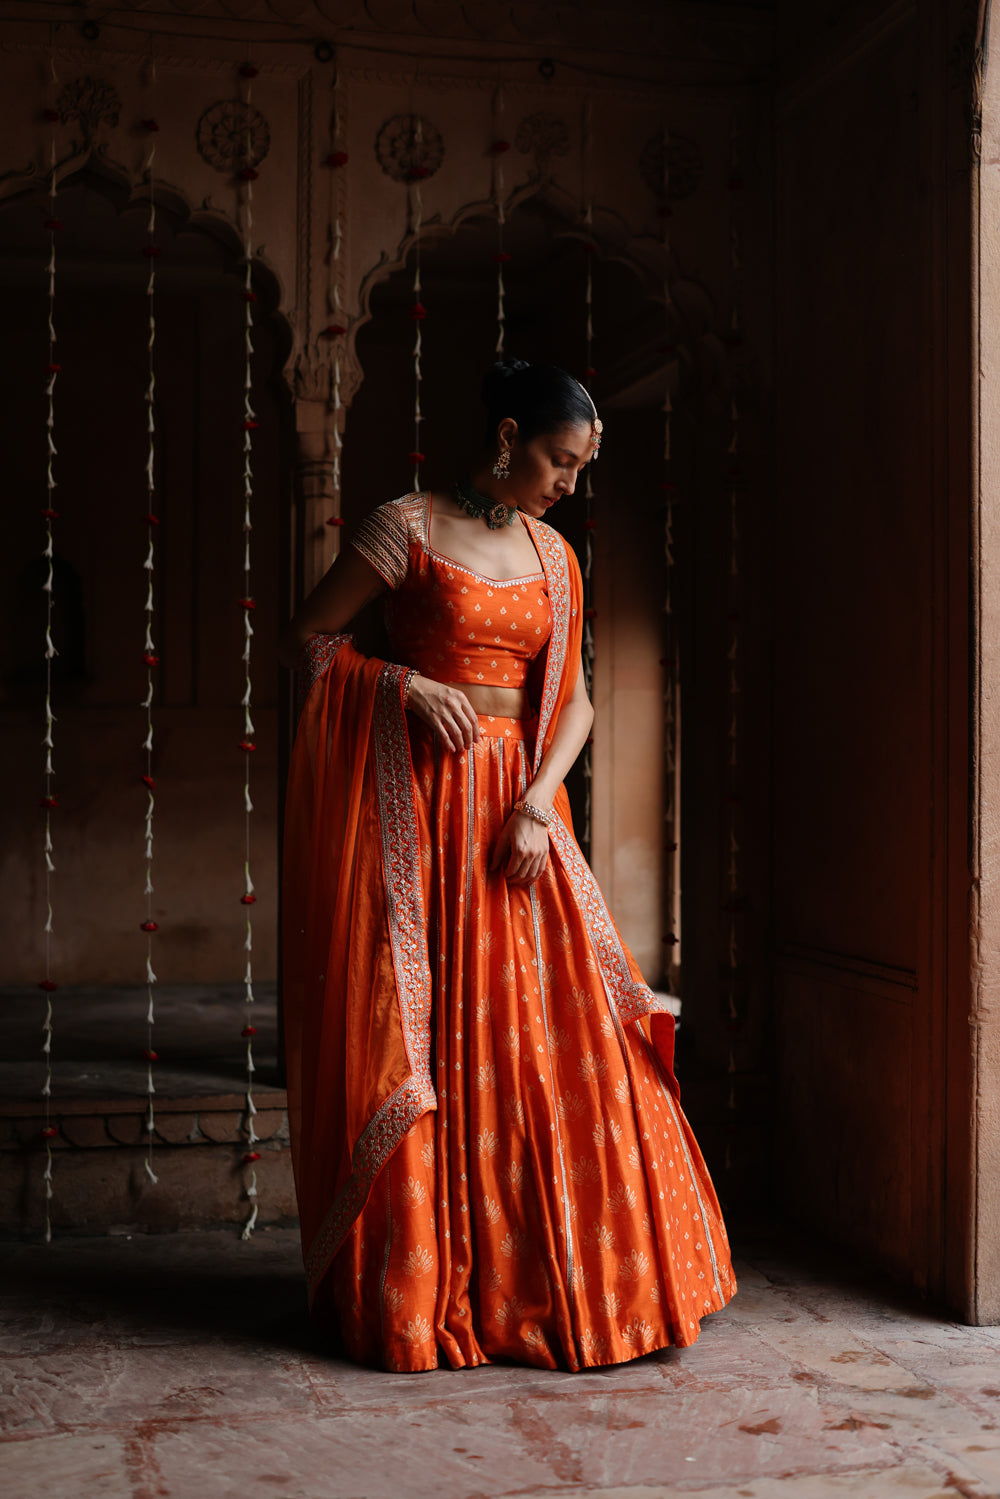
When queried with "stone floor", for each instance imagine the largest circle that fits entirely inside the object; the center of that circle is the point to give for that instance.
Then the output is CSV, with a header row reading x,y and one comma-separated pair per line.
x,y
183,1367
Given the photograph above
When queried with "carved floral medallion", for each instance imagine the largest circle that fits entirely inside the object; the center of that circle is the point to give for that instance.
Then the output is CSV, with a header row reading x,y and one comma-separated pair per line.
x,y
543,135
409,148
232,134
673,172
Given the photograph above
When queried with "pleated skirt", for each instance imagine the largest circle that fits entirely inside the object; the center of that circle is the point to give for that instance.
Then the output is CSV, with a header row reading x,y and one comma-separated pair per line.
x,y
555,1210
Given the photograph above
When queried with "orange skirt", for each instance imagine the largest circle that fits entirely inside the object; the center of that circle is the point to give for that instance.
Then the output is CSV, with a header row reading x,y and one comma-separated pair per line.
x,y
556,1209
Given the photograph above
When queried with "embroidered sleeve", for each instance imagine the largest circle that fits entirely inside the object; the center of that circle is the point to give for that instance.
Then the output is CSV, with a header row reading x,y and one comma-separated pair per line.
x,y
382,539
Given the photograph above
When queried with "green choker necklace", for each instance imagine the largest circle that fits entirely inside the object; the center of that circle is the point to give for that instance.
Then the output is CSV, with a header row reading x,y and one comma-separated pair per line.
x,y
494,512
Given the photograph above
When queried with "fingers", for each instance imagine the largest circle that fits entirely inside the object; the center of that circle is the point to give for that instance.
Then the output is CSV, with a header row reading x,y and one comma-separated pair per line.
x,y
524,867
458,723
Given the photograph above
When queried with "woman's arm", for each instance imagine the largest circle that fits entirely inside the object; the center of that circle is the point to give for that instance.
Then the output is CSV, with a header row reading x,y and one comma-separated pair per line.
x,y
345,588
522,849
576,719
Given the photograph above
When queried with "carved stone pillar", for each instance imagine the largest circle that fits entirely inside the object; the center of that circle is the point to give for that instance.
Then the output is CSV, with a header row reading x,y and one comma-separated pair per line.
x,y
319,498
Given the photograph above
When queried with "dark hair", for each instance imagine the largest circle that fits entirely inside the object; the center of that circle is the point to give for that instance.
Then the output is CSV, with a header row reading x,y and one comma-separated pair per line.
x,y
539,397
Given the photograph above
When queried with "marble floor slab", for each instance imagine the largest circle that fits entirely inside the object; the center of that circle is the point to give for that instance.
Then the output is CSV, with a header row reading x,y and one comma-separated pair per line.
x,y
184,1366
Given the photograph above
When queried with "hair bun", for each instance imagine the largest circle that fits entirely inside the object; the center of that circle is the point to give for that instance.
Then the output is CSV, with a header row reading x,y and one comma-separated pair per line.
x,y
495,377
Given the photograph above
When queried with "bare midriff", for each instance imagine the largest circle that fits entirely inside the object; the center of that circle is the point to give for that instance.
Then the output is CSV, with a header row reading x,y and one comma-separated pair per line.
x,y
502,702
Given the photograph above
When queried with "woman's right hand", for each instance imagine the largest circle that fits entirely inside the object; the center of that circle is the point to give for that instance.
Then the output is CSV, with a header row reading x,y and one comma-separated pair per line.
x,y
446,710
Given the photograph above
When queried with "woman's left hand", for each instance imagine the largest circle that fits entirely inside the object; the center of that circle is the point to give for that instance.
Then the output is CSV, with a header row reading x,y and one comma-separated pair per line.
x,y
522,850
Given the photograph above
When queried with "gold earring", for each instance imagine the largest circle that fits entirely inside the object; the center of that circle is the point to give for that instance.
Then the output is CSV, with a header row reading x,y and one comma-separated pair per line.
x,y
501,469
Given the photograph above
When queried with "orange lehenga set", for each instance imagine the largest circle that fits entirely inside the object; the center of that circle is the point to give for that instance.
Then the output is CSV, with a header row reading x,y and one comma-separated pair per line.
x,y
490,1155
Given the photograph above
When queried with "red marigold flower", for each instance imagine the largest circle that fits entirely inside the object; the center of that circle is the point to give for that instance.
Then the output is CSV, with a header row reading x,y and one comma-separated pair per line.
x,y
502,257
417,457
665,211
333,330
248,174
149,926
248,900
417,173
54,224
250,425
50,802
51,514
335,520
49,1132
150,659
250,296
247,603
590,525
248,70
148,781
151,125
499,147
151,252
152,520
248,1030
53,369
590,372
151,1056
52,115
250,1156
247,746
336,159
590,613
49,985
418,312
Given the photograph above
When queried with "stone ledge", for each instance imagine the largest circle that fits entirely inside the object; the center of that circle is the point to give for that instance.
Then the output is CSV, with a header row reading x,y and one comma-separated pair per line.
x,y
107,1189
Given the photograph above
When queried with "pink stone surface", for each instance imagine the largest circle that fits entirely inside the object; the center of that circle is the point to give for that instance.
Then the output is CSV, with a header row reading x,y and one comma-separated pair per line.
x,y
185,1367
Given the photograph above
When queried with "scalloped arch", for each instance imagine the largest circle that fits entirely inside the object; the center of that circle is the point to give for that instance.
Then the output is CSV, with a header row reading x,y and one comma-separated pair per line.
x,y
123,190
640,253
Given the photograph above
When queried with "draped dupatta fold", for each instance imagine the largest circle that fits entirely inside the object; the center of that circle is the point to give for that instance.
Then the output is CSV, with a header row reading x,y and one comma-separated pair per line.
x,y
357,957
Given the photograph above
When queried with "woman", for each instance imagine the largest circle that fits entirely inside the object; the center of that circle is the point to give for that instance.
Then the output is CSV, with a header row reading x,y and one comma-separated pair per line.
x,y
490,1156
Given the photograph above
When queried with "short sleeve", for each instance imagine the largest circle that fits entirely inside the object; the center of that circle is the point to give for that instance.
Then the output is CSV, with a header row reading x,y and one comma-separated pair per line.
x,y
383,541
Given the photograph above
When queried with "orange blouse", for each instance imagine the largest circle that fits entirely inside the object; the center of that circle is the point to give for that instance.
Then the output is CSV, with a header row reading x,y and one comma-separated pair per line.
x,y
451,623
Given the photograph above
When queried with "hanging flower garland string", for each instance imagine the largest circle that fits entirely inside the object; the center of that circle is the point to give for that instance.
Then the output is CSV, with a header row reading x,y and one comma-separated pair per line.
x,y
150,658
418,311
336,328
498,150
247,603
50,798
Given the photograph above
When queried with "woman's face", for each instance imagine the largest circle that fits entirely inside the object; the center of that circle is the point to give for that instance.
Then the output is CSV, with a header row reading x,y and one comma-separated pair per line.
x,y
547,467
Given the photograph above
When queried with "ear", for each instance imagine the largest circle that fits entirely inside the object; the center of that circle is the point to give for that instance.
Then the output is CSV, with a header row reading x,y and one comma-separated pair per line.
x,y
507,432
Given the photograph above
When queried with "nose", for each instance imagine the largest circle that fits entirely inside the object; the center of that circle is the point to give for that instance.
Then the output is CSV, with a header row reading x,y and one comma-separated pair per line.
x,y
568,485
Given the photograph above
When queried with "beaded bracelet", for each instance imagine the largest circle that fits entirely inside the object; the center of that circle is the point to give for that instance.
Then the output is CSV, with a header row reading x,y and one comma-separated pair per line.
x,y
411,672
536,813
